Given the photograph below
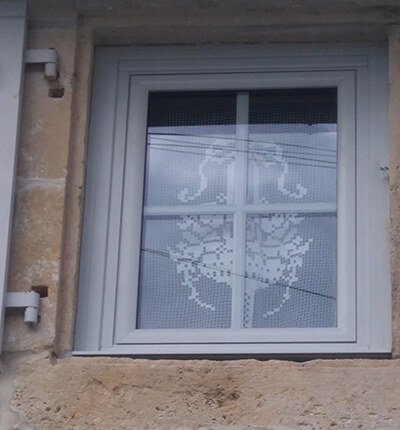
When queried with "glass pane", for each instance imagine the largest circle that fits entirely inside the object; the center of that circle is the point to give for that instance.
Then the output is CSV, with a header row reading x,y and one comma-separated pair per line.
x,y
189,148
292,148
186,265
290,270
284,150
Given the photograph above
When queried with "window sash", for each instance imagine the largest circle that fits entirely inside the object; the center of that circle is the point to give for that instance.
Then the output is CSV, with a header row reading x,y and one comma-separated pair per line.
x,y
126,294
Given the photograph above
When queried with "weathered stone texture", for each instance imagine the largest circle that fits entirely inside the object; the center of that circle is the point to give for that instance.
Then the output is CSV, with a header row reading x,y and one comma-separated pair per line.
x,y
40,190
45,121
121,393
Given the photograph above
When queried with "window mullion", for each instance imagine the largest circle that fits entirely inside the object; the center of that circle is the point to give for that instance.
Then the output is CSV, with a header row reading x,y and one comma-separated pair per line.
x,y
239,222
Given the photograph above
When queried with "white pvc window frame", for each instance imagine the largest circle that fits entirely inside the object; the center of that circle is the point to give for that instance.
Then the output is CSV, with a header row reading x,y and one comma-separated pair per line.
x,y
106,314
12,45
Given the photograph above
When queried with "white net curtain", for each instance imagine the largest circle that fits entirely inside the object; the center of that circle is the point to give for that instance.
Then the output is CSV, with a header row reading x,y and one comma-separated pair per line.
x,y
239,218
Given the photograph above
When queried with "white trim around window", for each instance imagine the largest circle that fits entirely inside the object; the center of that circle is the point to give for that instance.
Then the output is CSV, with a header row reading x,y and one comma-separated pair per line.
x,y
110,256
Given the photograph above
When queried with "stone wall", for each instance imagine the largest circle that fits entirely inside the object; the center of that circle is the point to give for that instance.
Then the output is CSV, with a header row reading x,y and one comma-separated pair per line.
x,y
41,388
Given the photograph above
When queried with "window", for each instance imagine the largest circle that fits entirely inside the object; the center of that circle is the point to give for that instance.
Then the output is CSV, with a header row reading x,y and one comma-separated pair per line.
x,y
236,202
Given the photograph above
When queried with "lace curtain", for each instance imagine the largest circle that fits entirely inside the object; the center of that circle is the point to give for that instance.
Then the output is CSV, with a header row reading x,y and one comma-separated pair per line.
x,y
239,218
